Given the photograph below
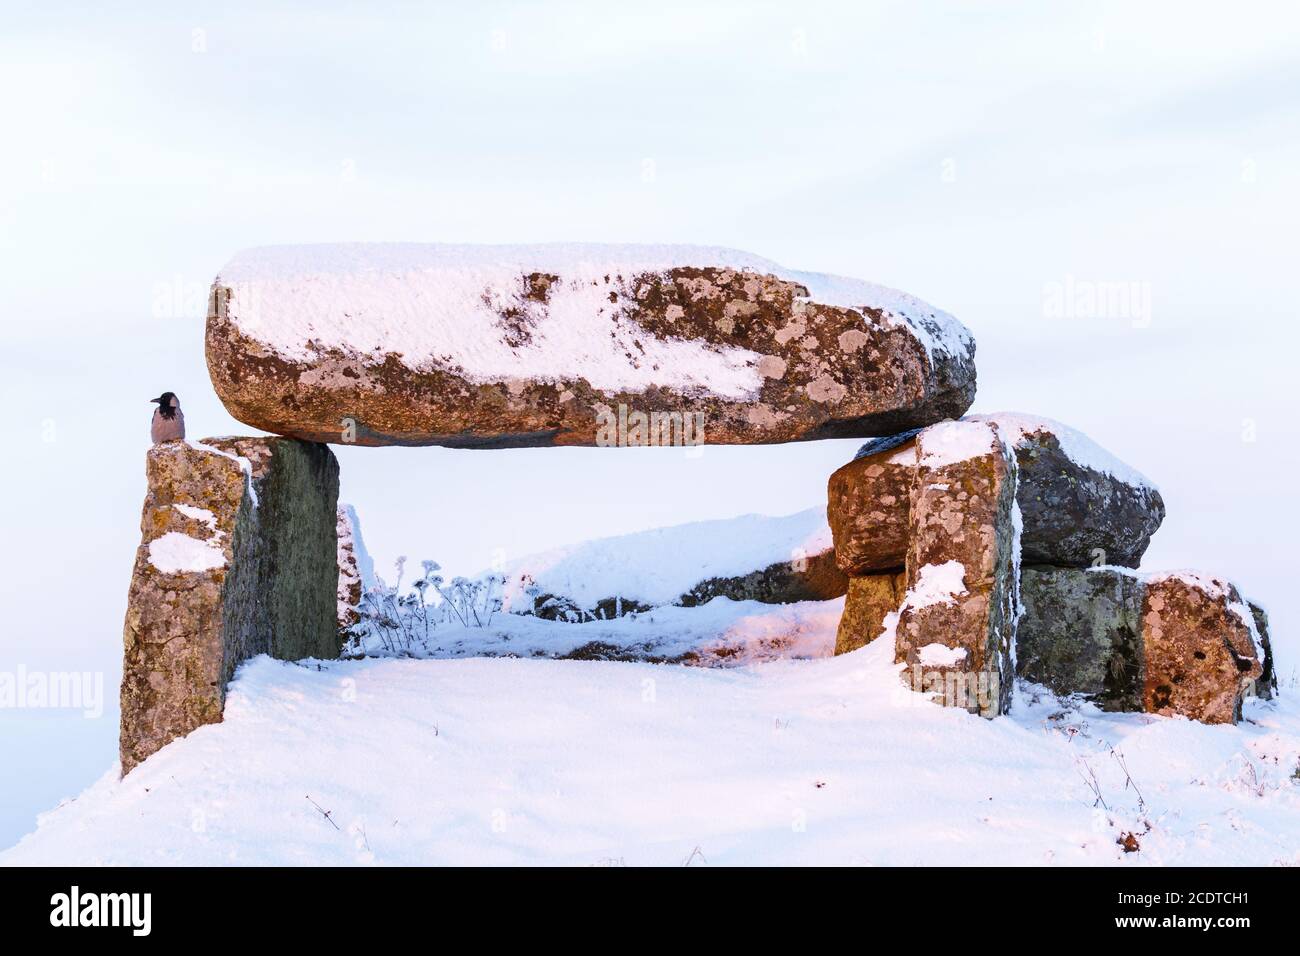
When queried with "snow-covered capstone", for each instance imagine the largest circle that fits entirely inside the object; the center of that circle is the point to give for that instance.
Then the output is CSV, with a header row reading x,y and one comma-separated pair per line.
x,y
237,557
493,346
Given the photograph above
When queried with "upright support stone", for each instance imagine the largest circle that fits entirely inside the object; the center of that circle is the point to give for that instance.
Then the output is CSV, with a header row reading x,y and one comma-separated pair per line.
x,y
871,599
956,627
237,558
1081,633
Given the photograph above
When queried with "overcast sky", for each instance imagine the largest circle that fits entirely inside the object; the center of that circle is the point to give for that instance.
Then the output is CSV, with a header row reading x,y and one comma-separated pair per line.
x,y
984,158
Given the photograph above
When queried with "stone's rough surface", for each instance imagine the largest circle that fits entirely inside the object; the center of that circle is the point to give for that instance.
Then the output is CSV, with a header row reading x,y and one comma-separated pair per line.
x,y
868,509
538,345
814,578
957,622
1081,633
1080,506
186,631
297,486
348,592
871,598
1266,685
226,569
1199,641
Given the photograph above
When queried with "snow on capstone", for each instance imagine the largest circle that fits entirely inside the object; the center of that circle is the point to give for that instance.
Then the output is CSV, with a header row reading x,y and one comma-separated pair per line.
x,y
177,553
425,303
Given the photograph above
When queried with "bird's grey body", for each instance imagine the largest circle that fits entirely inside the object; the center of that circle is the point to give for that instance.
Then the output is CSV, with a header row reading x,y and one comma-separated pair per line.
x,y
167,427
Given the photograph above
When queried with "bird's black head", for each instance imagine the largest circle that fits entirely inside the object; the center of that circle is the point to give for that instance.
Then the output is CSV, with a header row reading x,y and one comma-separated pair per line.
x,y
166,404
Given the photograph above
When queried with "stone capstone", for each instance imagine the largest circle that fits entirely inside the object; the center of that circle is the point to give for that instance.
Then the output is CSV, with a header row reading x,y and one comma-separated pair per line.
x,y
530,346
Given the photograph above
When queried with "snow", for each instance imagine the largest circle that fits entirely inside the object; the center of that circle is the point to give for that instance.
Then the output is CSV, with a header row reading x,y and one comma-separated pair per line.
x,y
940,655
1078,447
950,442
824,762
198,514
721,633
177,553
438,305
658,566
936,584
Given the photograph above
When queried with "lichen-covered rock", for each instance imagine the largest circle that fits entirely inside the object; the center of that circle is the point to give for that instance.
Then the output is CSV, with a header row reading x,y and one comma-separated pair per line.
x,y
871,599
868,507
1080,507
587,345
1081,633
957,621
1199,641
812,578
1266,685
230,565
348,592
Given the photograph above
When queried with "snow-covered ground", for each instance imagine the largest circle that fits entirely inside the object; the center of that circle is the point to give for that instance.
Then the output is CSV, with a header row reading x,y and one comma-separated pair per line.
x,y
658,566
717,634
496,761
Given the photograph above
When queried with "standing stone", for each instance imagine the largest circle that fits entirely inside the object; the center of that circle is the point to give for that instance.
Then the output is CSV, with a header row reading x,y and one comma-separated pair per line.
x,y
1081,633
957,623
1200,650
580,345
237,558
871,598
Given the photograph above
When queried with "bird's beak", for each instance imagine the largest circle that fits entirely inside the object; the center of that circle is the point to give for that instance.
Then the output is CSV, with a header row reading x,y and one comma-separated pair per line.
x,y
155,400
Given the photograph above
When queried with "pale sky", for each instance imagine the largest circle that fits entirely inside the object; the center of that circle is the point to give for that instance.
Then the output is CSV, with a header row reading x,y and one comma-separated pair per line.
x,y
978,156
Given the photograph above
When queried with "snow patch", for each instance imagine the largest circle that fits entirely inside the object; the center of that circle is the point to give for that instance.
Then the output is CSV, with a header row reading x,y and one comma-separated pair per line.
x,y
198,514
937,584
176,553
950,442
940,655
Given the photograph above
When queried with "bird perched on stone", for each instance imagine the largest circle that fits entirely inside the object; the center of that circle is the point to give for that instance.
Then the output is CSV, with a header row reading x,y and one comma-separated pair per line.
x,y
168,419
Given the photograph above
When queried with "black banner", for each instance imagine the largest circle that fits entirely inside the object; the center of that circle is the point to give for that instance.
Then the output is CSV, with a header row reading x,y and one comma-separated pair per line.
x,y
334,905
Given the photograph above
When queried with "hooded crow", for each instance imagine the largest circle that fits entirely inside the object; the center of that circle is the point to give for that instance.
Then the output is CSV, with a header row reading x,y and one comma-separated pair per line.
x,y
168,419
